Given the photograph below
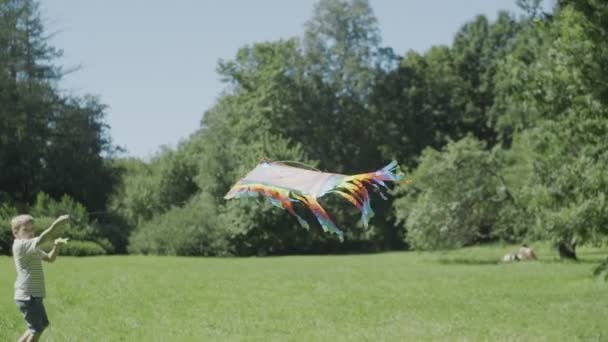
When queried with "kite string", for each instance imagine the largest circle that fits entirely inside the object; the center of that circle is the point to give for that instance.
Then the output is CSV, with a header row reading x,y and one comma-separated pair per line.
x,y
297,162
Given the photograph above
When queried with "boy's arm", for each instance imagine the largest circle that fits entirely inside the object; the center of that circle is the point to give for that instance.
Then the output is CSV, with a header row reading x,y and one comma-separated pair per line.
x,y
52,255
46,235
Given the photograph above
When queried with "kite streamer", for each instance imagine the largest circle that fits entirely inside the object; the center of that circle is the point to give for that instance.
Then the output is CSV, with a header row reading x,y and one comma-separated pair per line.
x,y
283,184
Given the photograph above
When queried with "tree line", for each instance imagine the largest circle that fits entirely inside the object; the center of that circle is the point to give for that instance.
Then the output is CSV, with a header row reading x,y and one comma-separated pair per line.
x,y
503,132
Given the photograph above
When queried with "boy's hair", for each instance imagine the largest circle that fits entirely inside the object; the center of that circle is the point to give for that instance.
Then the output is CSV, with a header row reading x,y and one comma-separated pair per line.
x,y
20,220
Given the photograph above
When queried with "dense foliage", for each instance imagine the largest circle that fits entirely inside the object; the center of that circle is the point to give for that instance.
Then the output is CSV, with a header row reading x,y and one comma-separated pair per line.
x,y
504,133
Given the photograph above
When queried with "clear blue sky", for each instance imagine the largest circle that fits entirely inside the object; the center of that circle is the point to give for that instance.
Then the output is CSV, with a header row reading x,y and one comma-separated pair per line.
x,y
153,62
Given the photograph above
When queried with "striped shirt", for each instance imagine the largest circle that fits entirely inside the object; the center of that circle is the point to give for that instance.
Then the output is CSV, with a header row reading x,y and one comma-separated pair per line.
x,y
28,262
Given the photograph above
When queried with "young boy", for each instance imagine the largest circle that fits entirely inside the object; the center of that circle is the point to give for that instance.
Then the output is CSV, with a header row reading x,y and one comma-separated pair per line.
x,y
29,286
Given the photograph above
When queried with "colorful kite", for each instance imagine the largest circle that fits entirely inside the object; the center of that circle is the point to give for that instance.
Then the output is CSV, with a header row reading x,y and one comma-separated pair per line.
x,y
284,184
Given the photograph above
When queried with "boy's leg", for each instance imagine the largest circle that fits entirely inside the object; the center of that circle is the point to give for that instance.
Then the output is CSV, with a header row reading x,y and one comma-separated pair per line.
x,y
42,318
25,336
34,314
29,336
24,307
34,337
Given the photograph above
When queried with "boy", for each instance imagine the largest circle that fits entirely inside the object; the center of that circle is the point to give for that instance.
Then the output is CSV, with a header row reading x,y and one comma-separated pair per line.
x,y
29,286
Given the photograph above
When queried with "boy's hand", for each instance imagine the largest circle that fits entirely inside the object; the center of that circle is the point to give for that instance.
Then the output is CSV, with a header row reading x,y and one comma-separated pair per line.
x,y
61,241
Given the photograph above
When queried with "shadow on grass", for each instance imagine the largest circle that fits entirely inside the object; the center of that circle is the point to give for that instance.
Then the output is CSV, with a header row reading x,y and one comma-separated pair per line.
x,y
579,261
480,262
466,261
598,252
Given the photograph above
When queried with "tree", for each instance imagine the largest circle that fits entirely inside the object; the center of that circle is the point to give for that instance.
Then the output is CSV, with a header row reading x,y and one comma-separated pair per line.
x,y
412,106
343,59
48,142
459,198
273,92
228,148
478,50
554,106
26,97
566,190
74,160
595,27
341,43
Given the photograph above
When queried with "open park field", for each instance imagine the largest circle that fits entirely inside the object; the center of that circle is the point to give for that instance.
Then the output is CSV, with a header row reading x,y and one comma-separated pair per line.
x,y
462,295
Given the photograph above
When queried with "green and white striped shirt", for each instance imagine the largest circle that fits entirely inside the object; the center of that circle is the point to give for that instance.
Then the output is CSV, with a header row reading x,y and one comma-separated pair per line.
x,y
28,262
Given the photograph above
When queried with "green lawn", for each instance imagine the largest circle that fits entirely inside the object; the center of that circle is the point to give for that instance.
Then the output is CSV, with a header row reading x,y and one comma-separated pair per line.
x,y
458,296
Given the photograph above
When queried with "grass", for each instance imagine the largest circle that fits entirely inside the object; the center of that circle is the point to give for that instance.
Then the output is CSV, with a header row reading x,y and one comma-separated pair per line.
x,y
460,295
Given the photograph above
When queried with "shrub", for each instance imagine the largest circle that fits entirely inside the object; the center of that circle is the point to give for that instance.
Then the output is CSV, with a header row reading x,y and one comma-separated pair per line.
x,y
82,248
456,199
193,229
6,236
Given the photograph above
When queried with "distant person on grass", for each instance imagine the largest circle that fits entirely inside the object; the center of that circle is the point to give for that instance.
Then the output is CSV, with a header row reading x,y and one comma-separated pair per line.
x,y
29,286
524,253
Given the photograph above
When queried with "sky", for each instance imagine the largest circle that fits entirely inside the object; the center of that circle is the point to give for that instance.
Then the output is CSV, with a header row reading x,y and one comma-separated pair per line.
x,y
154,62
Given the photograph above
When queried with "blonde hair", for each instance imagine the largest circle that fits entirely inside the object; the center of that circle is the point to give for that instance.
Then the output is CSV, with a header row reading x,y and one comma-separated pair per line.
x,y
19,221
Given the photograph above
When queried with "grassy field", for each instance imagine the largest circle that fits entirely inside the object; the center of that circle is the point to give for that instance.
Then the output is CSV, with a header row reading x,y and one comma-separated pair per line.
x,y
461,295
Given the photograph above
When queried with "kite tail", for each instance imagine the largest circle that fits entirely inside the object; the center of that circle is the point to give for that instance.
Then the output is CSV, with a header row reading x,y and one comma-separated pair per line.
x,y
279,197
353,188
287,205
326,223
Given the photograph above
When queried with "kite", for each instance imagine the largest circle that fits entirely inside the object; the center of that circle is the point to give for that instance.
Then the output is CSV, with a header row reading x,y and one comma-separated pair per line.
x,y
284,185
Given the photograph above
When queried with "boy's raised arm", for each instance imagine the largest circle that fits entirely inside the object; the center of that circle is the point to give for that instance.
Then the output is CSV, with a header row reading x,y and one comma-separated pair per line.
x,y
46,235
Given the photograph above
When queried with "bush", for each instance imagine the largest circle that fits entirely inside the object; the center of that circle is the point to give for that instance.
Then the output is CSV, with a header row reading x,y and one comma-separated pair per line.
x,y
194,229
457,198
45,211
79,228
82,248
6,235
45,205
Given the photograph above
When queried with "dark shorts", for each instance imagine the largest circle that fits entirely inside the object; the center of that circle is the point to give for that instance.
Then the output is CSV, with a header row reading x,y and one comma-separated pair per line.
x,y
34,314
